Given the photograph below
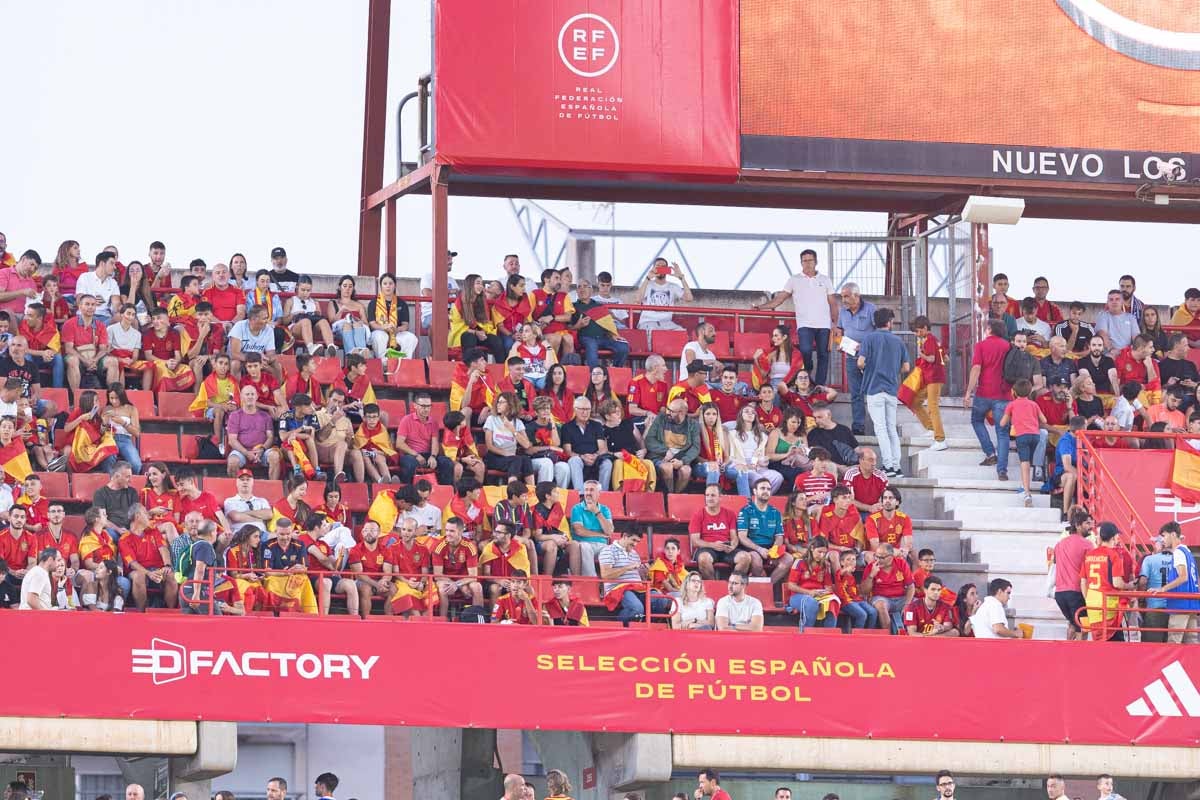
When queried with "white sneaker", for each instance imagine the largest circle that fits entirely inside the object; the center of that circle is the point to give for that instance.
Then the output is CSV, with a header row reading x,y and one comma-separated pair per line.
x,y
1028,501
938,446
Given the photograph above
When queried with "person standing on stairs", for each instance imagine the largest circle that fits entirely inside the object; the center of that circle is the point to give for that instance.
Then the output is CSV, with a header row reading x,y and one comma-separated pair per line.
x,y
882,358
987,376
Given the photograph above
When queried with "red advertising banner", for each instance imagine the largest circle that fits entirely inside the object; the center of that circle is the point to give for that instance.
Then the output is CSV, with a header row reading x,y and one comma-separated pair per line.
x,y
646,86
1144,477
435,674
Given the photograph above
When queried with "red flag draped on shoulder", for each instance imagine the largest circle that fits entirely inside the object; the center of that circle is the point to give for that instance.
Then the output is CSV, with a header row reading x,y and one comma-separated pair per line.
x,y
636,474
912,386
14,459
482,393
90,446
604,318
1185,472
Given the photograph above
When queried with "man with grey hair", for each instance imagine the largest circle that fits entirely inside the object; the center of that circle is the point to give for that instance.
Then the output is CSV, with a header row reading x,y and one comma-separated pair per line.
x,y
673,443
591,526
594,336
585,446
648,391
146,559
117,497
855,321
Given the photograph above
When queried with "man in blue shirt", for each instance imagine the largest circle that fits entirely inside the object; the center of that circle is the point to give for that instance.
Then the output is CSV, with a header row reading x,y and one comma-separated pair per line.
x,y
1155,570
855,321
1183,617
760,529
1066,461
882,357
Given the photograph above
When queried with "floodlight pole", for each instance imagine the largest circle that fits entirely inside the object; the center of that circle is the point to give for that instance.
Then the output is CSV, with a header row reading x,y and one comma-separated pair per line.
x,y
379,28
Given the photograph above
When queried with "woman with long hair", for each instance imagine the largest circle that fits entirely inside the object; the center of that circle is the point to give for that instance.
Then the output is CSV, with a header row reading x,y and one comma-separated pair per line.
x,y
107,591
243,560
562,397
599,389
90,447
159,495
787,449
695,610
389,327
261,295
67,267
622,435
748,445
333,508
803,393
714,447
239,272
348,318
135,288
471,323
511,310
536,352
504,434
965,605
302,314
558,785
778,364
292,505
122,419
1152,327
797,525
810,583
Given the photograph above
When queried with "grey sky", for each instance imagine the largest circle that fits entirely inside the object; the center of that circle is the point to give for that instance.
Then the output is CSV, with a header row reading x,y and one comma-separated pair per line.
x,y
226,126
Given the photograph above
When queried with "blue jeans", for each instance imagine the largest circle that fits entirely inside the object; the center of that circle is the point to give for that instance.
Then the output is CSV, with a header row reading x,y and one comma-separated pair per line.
x,y
807,339
858,406
632,606
862,614
700,470
591,350
58,373
807,607
353,338
128,449
980,406
603,470
506,341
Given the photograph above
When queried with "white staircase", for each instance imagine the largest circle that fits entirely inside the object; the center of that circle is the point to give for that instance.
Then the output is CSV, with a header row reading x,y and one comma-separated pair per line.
x,y
955,501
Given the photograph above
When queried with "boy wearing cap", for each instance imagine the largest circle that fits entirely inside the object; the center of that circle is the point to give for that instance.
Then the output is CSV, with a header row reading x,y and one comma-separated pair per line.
x,y
282,278
694,388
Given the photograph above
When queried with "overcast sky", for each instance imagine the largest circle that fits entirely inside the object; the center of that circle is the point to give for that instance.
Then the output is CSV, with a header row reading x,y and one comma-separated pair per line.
x,y
236,125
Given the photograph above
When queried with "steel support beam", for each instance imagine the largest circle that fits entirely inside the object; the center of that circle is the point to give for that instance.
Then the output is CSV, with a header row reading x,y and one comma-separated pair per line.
x,y
379,29
439,196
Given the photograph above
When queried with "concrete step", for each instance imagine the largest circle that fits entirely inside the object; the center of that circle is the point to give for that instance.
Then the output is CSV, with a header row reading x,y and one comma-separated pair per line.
x,y
973,472
975,516
954,456
953,430
1010,556
954,498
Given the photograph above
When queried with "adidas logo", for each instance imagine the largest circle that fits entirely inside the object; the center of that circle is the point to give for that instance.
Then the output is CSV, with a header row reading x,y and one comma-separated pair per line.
x,y
1162,701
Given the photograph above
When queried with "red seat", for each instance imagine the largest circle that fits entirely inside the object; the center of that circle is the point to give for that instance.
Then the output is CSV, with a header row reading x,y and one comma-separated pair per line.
x,y
578,377
721,348
616,504
287,363
620,377
721,322
440,374
409,374
174,405
143,401
138,481
58,396
438,411
440,496
669,344
760,324
55,485
328,370
222,488
682,507
639,342
62,439
779,502
355,496
85,484
73,523
496,372
375,371
761,588
646,507
189,450
160,447
686,321
394,409
745,344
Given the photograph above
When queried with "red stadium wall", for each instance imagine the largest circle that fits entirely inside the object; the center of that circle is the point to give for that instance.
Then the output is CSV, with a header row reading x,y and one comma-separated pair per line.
x,y
646,86
436,674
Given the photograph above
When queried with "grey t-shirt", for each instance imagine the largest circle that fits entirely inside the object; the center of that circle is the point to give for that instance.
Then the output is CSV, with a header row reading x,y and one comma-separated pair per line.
x,y
117,503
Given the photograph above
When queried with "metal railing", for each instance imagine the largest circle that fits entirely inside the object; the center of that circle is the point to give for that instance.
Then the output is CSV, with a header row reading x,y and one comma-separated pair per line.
x,y
1113,619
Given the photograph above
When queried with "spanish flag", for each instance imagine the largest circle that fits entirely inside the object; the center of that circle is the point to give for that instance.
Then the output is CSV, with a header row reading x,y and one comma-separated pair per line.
x,y
170,380
302,459
517,558
220,390
600,315
360,388
612,598
482,394
760,370
374,439
181,311
662,568
911,388
89,447
292,591
634,474
828,604
454,445
1185,472
14,458
407,598
383,511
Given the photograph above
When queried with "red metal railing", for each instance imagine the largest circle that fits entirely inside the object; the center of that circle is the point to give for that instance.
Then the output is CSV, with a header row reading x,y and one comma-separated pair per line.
x,y
1101,494
1128,601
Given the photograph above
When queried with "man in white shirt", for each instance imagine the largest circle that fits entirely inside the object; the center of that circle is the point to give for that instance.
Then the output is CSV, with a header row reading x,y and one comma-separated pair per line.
x,y
1038,333
738,611
656,290
244,508
99,283
990,621
621,566
427,516
604,295
816,306
1114,324
700,349
426,288
35,586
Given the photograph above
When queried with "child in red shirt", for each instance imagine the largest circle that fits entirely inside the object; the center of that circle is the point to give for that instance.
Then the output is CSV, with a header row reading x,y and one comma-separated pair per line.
x,y
1027,422
862,614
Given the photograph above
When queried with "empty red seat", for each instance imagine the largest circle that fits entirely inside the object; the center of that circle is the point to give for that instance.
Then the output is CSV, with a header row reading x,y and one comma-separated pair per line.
x,y
744,345
577,378
58,396
620,377
222,488
734,502
639,342
496,372
760,324
394,409
440,374
682,507
375,371
143,401
328,370
409,374
85,484
174,405
669,344
55,484
646,507
160,447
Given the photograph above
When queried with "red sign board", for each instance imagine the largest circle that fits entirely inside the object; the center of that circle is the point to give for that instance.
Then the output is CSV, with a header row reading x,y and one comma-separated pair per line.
x,y
643,86
330,671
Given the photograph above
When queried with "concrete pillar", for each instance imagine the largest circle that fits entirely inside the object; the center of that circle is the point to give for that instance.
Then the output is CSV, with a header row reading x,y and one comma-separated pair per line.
x,y
216,755
452,762
581,258
627,762
571,752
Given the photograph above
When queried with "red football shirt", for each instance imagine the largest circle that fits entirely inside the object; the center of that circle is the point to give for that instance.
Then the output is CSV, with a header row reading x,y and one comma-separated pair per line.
x,y
1056,413
728,404
1100,566
454,561
409,561
314,565
646,395
164,347
1129,368
812,484
143,549
769,419
713,527
920,616
989,357
205,504
866,490
372,559
265,385
846,588
935,371
37,513
225,302
78,334
507,608
892,582
807,576
67,545
16,552
840,531
888,531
